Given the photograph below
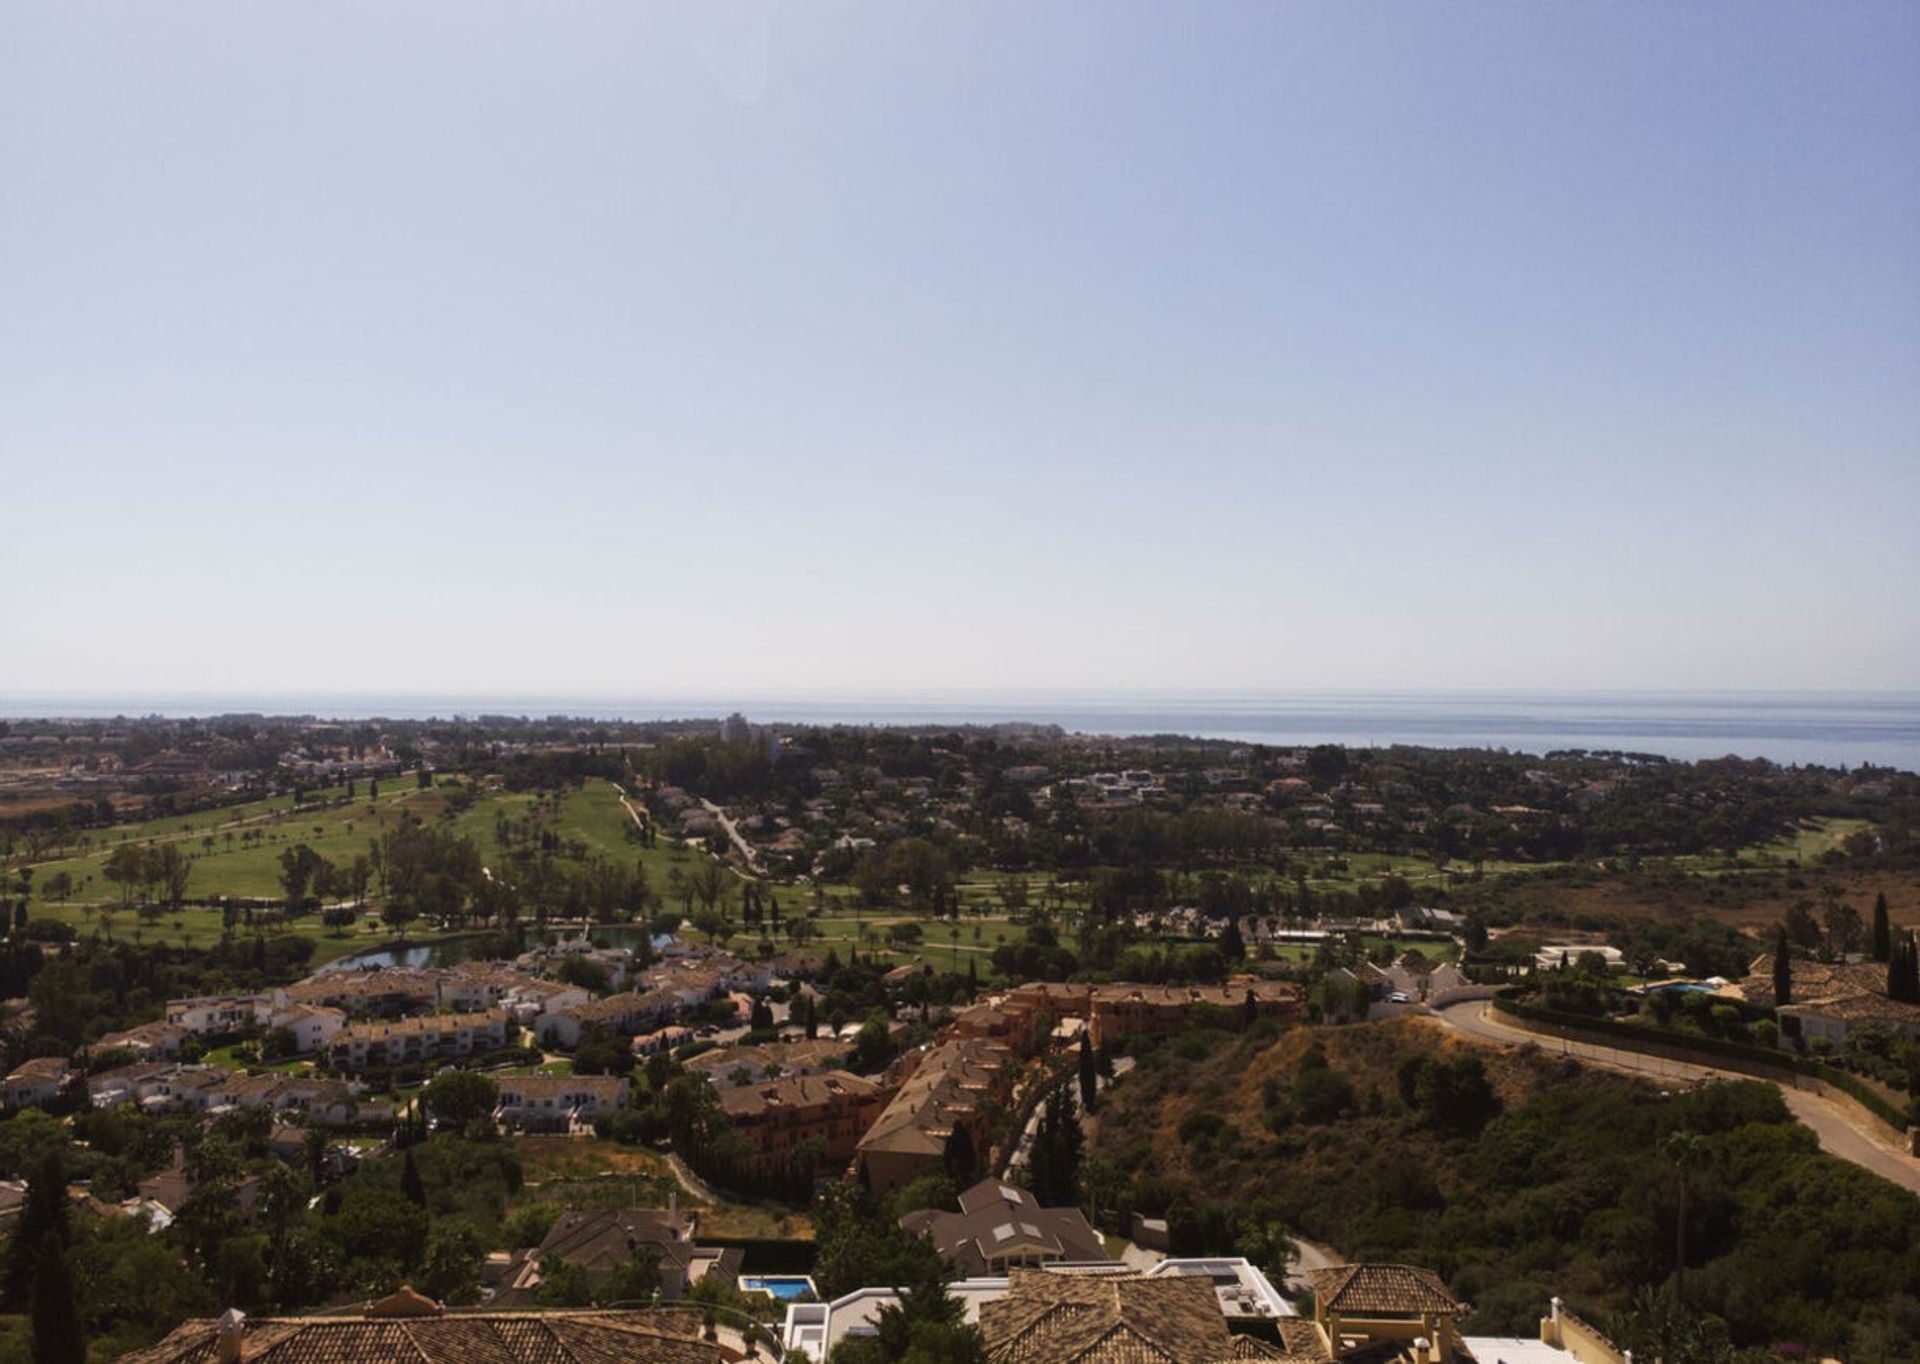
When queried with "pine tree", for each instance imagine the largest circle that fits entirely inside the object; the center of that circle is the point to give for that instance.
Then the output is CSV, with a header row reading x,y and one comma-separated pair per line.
x,y
1782,968
1882,929
57,1338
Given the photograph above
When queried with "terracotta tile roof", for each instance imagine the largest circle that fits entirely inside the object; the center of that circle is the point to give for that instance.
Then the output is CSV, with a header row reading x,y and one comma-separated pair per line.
x,y
1118,1319
1860,1008
655,1337
1246,1347
1814,982
148,1034
822,1053
949,1084
827,1090
1301,1339
40,1068
516,1090
421,1025
601,1240
1386,1290
998,1222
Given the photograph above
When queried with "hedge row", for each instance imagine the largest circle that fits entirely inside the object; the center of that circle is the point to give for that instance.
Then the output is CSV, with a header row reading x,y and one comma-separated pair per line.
x,y
1853,1086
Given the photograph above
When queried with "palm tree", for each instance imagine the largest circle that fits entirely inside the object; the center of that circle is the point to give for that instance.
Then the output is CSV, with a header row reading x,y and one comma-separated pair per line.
x,y
1687,1152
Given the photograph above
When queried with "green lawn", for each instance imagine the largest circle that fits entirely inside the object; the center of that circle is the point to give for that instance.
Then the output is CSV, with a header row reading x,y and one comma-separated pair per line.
x,y
236,852
226,1057
226,864
1433,951
1806,844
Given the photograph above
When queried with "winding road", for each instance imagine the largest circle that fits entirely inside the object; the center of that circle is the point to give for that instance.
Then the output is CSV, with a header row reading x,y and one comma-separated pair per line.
x,y
1839,1132
733,832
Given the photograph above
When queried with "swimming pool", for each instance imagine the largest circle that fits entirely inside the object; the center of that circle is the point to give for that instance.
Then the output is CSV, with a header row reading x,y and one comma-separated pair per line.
x,y
780,1287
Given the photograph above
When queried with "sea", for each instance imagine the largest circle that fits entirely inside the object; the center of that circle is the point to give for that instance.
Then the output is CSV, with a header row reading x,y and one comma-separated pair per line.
x,y
1829,729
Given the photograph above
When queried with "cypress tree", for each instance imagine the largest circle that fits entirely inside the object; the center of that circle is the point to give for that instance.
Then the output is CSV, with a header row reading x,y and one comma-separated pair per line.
x,y
410,1182
1088,1074
1782,968
43,1214
958,1155
57,1338
1882,929
1055,1156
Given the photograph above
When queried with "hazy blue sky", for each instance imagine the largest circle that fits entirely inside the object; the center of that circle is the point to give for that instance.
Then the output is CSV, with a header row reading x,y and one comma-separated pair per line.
x,y
744,347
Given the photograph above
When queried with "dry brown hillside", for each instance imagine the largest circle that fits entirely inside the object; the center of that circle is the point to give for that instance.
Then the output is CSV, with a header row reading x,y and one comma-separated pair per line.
x,y
1749,901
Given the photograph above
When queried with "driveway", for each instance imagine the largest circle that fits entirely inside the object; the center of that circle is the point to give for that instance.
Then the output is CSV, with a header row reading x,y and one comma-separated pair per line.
x,y
1840,1134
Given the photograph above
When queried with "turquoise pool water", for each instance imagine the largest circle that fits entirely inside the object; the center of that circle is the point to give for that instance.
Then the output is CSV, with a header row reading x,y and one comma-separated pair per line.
x,y
780,1287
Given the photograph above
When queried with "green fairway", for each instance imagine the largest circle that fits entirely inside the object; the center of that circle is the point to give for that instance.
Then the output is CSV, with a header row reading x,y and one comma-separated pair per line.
x,y
1811,841
236,851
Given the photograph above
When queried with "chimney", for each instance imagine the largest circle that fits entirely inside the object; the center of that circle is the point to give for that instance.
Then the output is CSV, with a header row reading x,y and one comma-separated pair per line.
x,y
233,1330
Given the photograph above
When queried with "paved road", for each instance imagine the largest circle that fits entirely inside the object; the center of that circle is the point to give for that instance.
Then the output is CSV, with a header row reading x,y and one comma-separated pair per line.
x,y
1017,1159
627,805
1307,1257
1839,1132
733,832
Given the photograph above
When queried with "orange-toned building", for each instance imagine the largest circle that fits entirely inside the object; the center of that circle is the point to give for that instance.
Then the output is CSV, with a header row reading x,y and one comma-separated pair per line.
x,y
781,1116
953,1086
